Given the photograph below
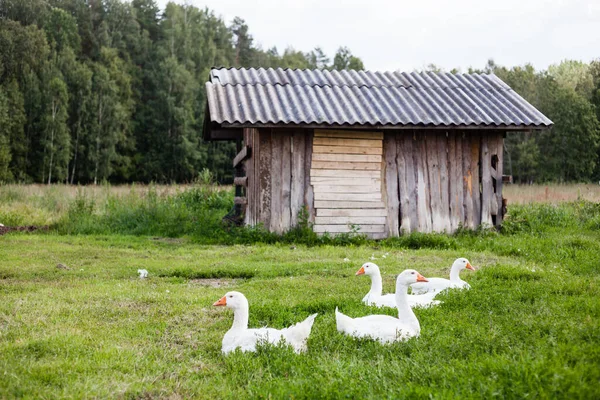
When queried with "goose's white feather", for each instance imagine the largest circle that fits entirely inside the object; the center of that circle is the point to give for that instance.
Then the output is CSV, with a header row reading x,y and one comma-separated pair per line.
x,y
436,285
377,299
240,337
384,328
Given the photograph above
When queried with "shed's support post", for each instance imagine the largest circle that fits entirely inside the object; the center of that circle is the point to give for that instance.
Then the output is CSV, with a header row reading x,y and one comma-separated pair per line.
x,y
239,172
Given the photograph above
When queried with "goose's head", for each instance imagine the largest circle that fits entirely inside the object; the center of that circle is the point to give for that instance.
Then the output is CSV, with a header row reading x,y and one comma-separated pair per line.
x,y
410,276
369,269
462,263
232,300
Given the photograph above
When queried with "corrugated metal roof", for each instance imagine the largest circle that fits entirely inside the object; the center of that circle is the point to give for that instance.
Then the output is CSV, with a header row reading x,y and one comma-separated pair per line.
x,y
301,97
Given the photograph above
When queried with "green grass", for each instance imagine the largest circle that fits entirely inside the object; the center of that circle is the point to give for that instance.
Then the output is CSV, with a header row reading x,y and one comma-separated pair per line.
x,y
529,328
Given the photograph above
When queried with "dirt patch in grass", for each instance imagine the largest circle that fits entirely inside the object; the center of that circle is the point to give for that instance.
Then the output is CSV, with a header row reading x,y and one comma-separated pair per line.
x,y
168,240
30,228
211,282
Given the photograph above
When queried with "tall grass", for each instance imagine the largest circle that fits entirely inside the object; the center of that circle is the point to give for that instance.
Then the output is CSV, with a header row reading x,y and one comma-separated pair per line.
x,y
196,211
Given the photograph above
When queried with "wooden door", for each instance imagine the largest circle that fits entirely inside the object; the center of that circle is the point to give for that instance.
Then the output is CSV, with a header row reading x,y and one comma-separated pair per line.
x,y
346,176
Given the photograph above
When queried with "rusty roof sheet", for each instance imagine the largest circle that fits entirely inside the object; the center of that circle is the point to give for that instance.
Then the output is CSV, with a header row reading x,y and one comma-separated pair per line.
x,y
259,97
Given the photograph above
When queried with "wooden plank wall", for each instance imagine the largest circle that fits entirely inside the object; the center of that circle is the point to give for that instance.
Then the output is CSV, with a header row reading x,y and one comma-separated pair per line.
x,y
347,179
442,180
403,181
278,187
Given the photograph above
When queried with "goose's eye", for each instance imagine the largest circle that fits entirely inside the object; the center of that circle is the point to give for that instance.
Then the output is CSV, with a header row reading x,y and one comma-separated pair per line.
x,y
231,296
412,273
367,266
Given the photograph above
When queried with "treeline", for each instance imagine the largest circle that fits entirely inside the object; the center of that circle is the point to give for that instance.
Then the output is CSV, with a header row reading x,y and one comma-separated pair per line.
x,y
114,90
95,90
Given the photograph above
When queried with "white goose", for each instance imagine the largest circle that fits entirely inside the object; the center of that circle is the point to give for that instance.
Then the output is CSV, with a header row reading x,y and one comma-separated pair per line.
x,y
239,336
438,284
375,298
384,328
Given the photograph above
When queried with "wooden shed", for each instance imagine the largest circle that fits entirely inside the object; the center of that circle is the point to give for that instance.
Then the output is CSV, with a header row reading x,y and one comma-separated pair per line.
x,y
386,153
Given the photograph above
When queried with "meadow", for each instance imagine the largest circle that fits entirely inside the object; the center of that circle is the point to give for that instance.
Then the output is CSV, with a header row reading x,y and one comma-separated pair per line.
x,y
529,327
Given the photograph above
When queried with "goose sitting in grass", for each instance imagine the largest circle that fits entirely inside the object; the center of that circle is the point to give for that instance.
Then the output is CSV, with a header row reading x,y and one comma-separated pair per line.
x,y
239,336
436,285
384,328
375,298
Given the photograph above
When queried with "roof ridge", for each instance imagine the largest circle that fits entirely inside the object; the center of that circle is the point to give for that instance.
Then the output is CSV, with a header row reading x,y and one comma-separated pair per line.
x,y
354,70
463,87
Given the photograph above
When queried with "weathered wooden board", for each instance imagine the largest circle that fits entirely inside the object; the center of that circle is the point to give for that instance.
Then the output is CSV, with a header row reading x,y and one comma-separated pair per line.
x,y
499,172
347,228
347,150
487,191
435,186
475,164
276,184
298,151
309,200
409,194
329,188
349,220
286,183
467,183
456,181
368,166
351,212
423,186
316,180
348,196
391,184
322,141
319,204
256,186
244,154
348,134
347,157
240,181
264,172
444,172
342,173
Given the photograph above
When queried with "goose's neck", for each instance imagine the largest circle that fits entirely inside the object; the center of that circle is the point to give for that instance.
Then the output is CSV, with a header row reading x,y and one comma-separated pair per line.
x,y
376,285
405,313
454,275
240,318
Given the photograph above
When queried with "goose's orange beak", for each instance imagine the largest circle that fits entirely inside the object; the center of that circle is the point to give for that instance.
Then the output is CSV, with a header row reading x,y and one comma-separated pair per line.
x,y
469,266
361,271
421,278
222,302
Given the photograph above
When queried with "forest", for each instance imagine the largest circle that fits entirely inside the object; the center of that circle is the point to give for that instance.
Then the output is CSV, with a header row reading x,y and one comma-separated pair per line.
x,y
98,91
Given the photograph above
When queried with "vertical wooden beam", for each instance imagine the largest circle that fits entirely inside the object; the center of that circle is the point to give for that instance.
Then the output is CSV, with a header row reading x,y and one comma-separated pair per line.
x,y
433,167
487,190
499,172
309,197
467,180
265,177
476,180
442,142
391,182
256,187
423,185
456,182
249,168
286,182
276,184
298,150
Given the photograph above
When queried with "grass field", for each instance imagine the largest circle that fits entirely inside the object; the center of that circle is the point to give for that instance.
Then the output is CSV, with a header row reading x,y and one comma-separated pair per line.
x,y
529,328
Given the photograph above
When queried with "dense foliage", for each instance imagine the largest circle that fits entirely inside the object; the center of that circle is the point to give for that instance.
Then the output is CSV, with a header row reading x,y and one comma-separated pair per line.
x,y
113,90
110,90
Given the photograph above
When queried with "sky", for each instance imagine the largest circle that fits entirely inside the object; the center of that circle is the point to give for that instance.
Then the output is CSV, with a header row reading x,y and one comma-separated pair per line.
x,y
405,35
